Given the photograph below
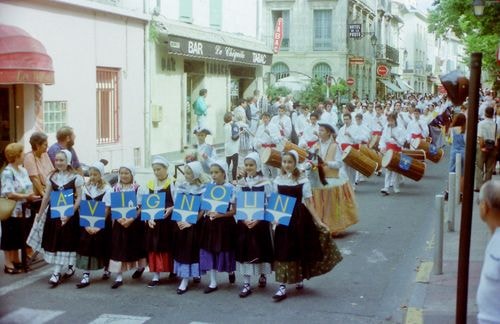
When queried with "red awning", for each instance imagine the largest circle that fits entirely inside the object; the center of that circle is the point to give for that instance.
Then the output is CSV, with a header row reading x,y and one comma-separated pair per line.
x,y
23,59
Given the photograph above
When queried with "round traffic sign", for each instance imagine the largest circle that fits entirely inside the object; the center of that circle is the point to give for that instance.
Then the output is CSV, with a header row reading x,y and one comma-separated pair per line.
x,y
382,70
350,81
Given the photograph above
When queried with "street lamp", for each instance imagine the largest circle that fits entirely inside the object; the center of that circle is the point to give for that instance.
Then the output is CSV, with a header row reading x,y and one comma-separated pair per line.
x,y
478,6
373,40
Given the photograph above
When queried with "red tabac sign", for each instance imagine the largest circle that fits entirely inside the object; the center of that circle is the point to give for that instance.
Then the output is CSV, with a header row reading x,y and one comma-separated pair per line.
x,y
382,70
350,81
278,35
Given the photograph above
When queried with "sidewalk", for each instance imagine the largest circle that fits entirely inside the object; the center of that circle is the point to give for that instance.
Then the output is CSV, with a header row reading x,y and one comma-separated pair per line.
x,y
434,302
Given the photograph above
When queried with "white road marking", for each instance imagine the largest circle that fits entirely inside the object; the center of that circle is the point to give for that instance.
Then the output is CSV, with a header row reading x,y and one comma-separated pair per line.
x,y
30,316
345,251
115,318
376,257
24,282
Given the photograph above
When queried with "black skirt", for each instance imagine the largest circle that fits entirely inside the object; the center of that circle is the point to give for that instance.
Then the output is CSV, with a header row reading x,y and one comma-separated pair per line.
x,y
187,245
97,245
254,245
127,244
59,238
160,238
218,235
12,234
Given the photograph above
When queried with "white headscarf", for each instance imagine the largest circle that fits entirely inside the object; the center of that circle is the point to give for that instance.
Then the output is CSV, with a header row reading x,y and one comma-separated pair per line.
x,y
295,155
158,159
130,167
99,166
196,167
69,156
222,164
256,158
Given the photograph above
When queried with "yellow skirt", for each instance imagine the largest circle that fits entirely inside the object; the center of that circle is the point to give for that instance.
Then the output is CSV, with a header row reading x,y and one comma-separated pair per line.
x,y
335,204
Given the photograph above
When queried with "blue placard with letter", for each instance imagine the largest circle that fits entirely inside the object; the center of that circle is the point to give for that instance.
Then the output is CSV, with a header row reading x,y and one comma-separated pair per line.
x,y
153,206
123,204
250,205
216,198
92,213
186,207
61,203
280,208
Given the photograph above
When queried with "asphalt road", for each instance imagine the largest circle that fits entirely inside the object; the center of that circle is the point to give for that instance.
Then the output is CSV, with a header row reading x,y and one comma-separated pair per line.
x,y
371,285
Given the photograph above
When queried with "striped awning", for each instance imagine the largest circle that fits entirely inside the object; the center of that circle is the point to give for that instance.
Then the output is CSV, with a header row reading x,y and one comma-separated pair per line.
x,y
391,86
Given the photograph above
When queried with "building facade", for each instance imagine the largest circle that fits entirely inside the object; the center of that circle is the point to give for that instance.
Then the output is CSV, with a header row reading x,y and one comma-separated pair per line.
x,y
97,55
209,45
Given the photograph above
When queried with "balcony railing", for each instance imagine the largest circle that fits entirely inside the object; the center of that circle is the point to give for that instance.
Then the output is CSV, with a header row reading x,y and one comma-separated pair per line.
x,y
389,53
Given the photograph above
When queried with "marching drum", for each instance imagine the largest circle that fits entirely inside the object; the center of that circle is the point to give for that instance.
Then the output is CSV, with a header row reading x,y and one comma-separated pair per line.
x,y
372,154
359,162
288,146
271,157
374,142
404,165
416,154
432,153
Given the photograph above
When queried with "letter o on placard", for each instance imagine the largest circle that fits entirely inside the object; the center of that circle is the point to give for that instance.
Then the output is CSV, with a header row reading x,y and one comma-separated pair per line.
x,y
218,192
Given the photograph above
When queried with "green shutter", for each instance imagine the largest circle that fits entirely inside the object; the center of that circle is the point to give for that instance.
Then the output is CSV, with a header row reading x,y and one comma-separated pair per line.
x,y
216,14
186,10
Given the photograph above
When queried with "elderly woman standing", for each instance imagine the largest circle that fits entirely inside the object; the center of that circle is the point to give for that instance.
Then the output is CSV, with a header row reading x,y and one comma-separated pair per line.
x,y
37,162
16,185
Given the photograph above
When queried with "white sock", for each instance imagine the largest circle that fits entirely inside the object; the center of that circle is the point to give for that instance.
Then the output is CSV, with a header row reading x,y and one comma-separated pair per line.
x,y
57,269
86,277
213,279
119,277
184,283
281,290
246,279
156,276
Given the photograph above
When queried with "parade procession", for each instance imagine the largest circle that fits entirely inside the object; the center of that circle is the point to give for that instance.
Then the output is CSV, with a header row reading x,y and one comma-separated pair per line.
x,y
236,161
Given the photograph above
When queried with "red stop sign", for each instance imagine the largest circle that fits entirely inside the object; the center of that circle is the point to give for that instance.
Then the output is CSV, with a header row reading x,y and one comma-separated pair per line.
x,y
350,81
382,70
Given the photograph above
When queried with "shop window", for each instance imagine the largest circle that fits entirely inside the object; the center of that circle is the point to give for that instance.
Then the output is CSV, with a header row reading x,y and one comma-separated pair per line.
x,y
216,14
186,11
107,105
280,70
216,68
285,14
54,115
321,70
322,32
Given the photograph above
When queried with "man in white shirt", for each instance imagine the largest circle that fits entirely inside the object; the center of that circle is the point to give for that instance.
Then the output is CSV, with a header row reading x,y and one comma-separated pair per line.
x,y
283,122
349,136
486,151
310,134
417,128
488,292
267,136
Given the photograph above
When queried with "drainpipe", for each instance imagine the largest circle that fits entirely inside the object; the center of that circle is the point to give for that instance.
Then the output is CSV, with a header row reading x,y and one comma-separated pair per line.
x,y
147,89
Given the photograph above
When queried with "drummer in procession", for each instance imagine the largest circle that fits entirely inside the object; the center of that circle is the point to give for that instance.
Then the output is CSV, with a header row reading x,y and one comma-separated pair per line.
x,y
310,134
393,138
417,128
349,135
302,120
378,122
364,135
267,136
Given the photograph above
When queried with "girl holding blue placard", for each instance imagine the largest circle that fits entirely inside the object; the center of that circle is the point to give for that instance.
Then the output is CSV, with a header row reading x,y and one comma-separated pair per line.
x,y
159,232
95,242
186,249
61,234
254,246
127,235
297,246
217,237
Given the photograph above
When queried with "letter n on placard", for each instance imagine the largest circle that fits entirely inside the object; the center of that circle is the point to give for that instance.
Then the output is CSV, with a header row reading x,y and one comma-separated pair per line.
x,y
280,208
186,207
250,205
61,203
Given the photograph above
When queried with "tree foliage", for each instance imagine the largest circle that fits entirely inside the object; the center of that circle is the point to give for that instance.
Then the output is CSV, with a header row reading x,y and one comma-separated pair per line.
x,y
274,91
316,92
479,34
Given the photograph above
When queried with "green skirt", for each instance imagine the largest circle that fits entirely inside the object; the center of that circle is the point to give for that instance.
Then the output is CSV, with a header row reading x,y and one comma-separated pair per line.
x,y
90,263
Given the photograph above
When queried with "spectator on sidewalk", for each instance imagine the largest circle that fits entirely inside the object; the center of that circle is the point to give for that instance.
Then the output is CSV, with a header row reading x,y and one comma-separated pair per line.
x,y
65,141
486,150
200,108
488,292
37,162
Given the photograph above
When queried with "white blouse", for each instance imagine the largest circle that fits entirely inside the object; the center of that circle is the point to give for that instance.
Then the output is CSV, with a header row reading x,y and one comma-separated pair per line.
x,y
16,181
287,180
93,191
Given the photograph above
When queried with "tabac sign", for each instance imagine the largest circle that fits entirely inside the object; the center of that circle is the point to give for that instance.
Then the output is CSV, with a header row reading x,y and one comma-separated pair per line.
x,y
197,48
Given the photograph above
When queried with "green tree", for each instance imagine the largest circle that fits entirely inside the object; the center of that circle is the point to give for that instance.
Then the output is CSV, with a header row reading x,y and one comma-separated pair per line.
x,y
479,34
274,91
